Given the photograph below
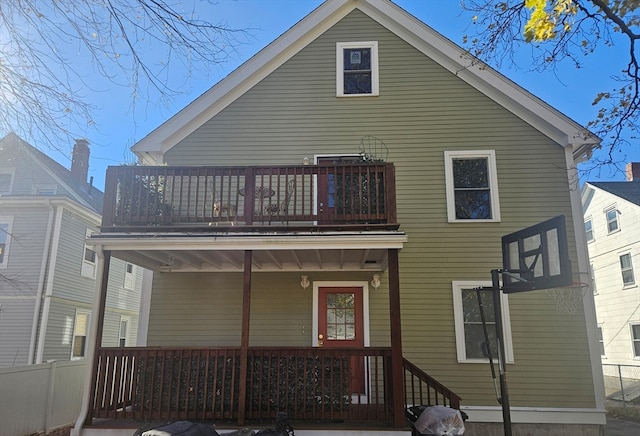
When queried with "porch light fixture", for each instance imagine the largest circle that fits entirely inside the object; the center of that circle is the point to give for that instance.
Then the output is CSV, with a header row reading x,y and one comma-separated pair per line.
x,y
375,281
304,282
305,161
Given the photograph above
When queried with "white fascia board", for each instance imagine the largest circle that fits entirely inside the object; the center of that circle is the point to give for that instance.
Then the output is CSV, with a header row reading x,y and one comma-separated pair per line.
x,y
505,92
152,147
252,242
487,80
586,195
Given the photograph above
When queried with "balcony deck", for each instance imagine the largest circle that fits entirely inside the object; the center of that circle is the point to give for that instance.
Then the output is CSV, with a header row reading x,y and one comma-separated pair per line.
x,y
284,198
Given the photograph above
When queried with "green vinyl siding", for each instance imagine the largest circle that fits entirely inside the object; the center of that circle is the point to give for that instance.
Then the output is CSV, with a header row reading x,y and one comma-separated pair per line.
x,y
422,110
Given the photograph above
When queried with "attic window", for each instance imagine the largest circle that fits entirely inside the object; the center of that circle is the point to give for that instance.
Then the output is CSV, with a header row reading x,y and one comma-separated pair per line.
x,y
356,68
6,181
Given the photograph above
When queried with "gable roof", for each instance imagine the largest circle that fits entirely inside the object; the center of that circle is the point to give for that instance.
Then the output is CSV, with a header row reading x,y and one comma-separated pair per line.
x,y
549,121
629,191
81,191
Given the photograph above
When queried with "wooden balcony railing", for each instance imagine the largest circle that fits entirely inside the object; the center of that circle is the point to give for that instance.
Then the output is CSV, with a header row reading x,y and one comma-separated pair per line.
x,y
146,198
203,383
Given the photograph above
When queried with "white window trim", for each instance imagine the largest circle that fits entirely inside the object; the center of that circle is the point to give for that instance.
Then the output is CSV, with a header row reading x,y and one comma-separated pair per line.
x,y
604,351
490,155
12,173
606,219
73,333
88,269
633,353
129,278
457,287
633,271
38,190
7,245
340,46
339,284
126,337
593,235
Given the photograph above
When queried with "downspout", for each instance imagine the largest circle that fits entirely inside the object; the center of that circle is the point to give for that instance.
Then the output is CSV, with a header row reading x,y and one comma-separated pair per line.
x,y
40,290
49,289
102,274
588,302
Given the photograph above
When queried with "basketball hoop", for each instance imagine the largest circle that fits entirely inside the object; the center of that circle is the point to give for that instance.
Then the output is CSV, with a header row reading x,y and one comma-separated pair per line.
x,y
567,298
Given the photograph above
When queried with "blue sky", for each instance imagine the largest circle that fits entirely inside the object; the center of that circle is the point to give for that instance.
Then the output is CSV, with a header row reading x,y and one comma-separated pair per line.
x,y
119,124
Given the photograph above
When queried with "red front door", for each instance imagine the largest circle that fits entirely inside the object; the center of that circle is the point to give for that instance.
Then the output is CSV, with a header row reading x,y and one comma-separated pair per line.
x,y
340,324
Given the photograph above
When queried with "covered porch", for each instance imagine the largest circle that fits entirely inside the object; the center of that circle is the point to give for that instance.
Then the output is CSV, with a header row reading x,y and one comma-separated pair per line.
x,y
329,378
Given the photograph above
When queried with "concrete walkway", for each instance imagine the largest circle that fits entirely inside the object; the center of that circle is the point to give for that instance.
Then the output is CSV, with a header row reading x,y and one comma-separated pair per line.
x,y
621,427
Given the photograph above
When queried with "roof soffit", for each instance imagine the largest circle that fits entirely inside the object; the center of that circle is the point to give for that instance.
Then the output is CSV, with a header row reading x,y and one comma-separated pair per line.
x,y
560,128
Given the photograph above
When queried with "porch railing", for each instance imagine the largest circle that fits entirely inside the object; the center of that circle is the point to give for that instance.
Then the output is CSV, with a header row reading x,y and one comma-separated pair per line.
x,y
141,197
422,389
203,383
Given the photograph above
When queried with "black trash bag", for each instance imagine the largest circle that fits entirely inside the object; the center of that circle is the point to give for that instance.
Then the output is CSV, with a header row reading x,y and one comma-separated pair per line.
x,y
179,428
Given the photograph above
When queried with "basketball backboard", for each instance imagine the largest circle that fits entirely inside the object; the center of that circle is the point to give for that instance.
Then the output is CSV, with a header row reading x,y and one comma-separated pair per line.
x,y
536,257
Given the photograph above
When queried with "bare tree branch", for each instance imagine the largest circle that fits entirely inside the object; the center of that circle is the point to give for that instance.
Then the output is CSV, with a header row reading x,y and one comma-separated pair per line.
x,y
497,34
52,52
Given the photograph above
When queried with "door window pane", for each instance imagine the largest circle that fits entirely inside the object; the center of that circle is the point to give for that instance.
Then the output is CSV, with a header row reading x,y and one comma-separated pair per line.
x,y
341,317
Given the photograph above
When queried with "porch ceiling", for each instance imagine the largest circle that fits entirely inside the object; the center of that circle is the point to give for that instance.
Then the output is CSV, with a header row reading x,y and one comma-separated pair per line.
x,y
203,252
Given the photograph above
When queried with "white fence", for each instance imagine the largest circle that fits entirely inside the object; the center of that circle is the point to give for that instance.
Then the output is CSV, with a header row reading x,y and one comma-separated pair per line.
x,y
40,398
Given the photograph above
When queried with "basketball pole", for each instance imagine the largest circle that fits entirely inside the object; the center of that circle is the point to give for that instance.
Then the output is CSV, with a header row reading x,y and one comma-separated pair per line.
x,y
502,364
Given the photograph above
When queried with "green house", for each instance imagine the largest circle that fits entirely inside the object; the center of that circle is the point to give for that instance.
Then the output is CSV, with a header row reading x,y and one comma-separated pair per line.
x,y
316,223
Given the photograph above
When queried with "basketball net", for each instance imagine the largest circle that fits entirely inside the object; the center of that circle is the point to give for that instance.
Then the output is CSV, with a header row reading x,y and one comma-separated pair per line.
x,y
568,298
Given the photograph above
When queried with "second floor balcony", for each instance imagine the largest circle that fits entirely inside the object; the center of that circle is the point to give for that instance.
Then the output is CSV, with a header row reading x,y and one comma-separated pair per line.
x,y
350,195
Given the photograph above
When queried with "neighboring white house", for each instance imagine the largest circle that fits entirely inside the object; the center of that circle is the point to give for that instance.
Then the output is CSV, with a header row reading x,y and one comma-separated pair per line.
x,y
47,273
612,224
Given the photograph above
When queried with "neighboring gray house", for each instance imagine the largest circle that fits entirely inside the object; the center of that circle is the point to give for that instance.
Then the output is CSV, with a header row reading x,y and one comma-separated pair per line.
x,y
612,224
47,274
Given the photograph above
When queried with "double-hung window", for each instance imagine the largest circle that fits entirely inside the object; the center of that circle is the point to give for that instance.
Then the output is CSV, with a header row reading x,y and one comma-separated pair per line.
x,y
6,181
588,228
356,68
472,186
470,340
635,339
601,340
129,276
6,223
88,260
626,268
612,219
123,334
80,332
